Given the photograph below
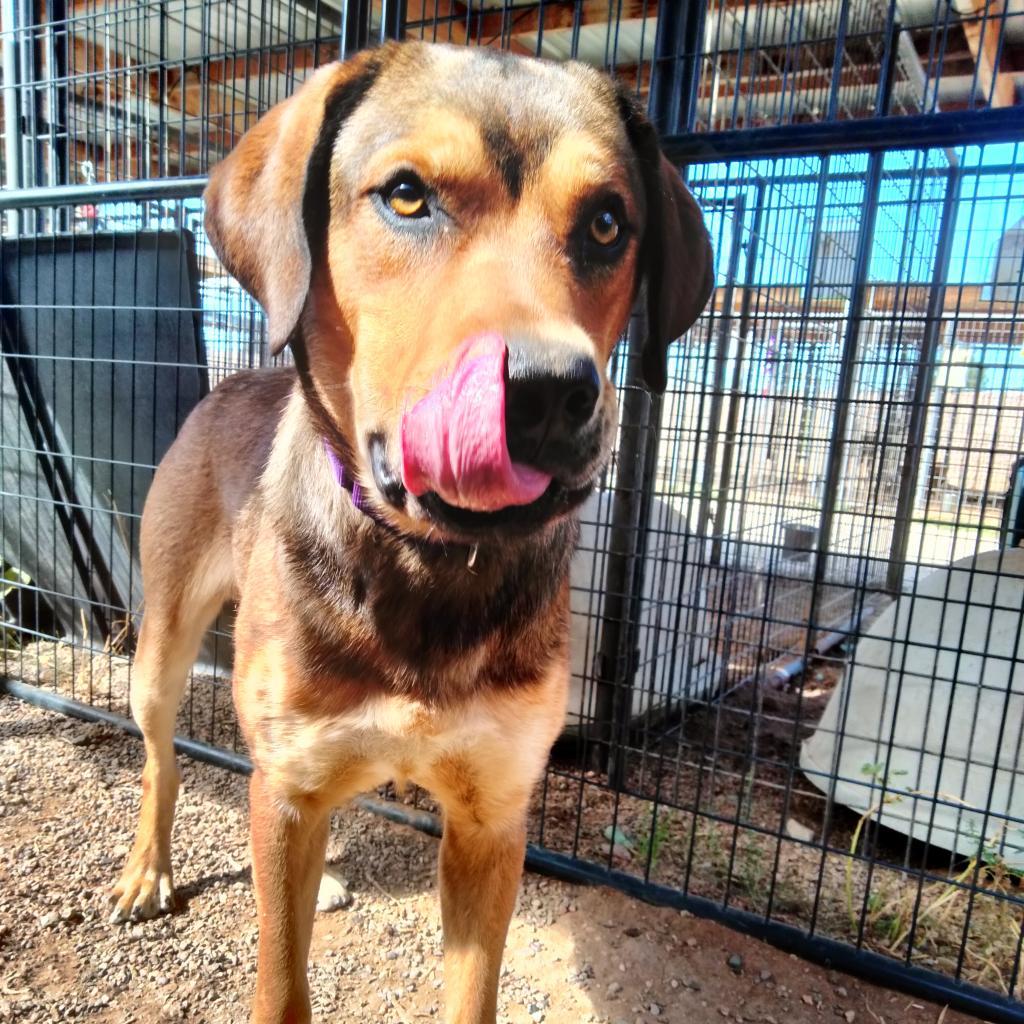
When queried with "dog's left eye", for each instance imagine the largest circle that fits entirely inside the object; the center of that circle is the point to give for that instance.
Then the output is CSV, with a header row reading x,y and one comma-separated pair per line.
x,y
407,198
605,228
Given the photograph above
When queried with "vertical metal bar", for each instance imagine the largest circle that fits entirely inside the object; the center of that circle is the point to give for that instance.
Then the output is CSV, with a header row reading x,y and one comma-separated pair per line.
x,y
355,26
613,696
667,67
31,107
56,104
718,384
688,87
637,464
393,16
162,159
887,72
12,113
924,378
837,62
734,405
844,386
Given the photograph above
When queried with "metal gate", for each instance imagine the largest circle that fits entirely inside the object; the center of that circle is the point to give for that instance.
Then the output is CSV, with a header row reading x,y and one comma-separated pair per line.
x,y
845,422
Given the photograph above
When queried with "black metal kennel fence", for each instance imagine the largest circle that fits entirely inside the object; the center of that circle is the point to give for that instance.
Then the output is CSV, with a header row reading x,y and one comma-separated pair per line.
x,y
798,693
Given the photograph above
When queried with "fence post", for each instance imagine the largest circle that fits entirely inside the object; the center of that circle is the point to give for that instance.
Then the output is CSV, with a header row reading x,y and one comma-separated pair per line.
x,y
672,78
923,381
616,663
392,19
718,388
355,26
844,387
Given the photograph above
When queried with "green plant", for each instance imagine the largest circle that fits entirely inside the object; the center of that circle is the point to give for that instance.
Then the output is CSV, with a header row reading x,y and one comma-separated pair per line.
x,y
875,771
652,841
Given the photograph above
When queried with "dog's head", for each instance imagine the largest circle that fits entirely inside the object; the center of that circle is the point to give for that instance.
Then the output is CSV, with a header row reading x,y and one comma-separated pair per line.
x,y
452,240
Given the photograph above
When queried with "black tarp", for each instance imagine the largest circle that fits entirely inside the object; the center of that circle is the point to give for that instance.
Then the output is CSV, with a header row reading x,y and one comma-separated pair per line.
x,y
102,361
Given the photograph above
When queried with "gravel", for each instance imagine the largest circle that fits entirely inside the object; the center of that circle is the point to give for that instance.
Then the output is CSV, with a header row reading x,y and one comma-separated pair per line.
x,y
68,799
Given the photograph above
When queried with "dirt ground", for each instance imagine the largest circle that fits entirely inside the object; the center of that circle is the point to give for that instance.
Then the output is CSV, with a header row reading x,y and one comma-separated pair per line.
x,y
68,796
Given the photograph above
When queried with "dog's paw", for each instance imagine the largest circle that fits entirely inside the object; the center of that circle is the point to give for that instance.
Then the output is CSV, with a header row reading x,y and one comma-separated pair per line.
x,y
141,893
333,894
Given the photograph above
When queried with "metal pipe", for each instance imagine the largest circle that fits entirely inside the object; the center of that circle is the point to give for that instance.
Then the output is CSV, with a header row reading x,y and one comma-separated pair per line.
x,y
355,26
732,417
912,131
50,701
718,383
844,386
816,948
667,68
29,75
923,382
613,696
887,72
933,130
393,16
785,670
151,188
839,52
12,119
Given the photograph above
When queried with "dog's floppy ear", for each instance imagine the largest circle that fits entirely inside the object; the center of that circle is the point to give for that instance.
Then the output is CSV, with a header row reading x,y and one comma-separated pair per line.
x,y
255,197
676,259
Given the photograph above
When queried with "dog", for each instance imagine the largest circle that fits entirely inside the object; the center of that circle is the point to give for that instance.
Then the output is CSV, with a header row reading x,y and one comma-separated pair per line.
x,y
450,241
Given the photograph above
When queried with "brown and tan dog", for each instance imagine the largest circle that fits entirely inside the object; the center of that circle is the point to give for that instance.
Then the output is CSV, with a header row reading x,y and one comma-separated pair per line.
x,y
451,241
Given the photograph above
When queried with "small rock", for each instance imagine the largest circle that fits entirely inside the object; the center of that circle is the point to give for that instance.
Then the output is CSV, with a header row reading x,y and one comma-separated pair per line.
x,y
48,920
735,963
613,989
633,933
797,830
849,1016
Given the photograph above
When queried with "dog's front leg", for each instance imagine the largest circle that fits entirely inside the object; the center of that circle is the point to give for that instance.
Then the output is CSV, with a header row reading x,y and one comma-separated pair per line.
x,y
289,839
480,868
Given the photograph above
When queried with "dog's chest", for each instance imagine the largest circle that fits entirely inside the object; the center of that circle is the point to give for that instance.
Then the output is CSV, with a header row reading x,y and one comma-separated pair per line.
x,y
454,751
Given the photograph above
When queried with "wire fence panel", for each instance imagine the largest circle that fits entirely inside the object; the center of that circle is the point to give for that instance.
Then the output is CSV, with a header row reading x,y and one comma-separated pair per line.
x,y
797,698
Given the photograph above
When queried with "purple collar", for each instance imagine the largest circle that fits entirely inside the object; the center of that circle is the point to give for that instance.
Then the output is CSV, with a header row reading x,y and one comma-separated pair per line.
x,y
347,481
355,491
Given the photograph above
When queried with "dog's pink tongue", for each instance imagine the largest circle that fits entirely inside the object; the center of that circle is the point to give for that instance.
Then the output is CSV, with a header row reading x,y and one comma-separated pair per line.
x,y
453,441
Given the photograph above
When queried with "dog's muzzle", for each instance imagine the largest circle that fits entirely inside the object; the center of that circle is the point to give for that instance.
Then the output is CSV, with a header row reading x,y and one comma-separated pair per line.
x,y
502,425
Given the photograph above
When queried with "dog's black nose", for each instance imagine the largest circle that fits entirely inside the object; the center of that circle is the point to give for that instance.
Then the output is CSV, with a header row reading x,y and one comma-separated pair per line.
x,y
550,397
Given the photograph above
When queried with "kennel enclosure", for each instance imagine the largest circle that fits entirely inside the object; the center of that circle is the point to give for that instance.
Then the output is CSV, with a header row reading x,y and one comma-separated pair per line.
x,y
843,425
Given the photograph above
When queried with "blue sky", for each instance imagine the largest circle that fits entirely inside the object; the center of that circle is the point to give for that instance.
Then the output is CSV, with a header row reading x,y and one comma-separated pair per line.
x,y
910,205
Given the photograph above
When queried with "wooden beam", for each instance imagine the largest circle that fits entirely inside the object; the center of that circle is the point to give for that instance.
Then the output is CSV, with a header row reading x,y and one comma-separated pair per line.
x,y
982,22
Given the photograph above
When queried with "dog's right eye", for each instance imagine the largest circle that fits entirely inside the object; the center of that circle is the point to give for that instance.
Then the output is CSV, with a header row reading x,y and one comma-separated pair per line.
x,y
407,197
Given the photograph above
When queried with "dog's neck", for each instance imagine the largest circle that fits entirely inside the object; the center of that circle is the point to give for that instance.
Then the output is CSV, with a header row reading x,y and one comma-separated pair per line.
x,y
345,572
347,482
309,484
